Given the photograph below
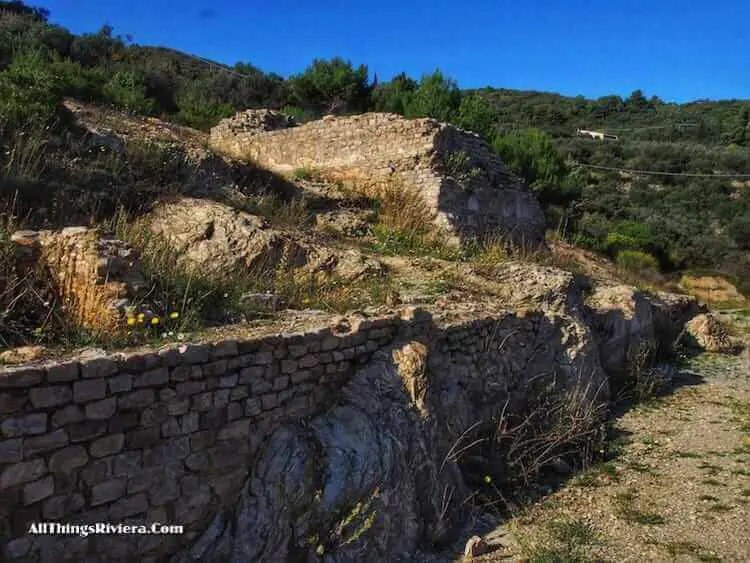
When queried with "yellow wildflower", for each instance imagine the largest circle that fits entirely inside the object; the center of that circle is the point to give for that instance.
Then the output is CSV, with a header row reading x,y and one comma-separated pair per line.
x,y
487,479
155,321
131,321
174,315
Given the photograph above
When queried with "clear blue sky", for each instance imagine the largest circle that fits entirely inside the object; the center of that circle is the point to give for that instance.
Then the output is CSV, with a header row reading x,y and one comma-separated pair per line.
x,y
679,50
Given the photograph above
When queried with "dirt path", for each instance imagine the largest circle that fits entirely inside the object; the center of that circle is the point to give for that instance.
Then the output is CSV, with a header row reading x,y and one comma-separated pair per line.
x,y
678,488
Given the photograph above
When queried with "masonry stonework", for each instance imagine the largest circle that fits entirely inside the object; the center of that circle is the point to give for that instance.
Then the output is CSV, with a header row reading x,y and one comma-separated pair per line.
x,y
464,184
160,436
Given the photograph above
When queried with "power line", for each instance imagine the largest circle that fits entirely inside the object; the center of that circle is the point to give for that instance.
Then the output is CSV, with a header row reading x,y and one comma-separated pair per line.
x,y
657,173
207,62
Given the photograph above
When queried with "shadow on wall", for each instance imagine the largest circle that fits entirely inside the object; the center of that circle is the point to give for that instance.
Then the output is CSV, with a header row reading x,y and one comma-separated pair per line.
x,y
479,197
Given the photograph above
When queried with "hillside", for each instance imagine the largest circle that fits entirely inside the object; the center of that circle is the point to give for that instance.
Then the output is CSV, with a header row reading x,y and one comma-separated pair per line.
x,y
656,223
380,322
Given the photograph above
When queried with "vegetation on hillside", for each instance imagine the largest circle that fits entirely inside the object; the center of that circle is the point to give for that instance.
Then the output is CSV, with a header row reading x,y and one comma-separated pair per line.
x,y
665,222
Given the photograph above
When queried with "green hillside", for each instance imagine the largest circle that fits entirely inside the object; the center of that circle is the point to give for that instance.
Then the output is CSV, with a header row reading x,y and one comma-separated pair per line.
x,y
648,222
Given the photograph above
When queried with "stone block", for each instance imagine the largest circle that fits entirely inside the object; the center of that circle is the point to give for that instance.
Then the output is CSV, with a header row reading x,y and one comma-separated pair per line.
x,y
23,472
98,367
45,397
25,425
61,373
136,400
10,451
153,378
45,443
122,383
58,507
128,506
68,459
101,410
107,492
89,390
106,446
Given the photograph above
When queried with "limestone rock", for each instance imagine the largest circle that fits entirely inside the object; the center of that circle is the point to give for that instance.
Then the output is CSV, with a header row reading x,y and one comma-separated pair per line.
x,y
345,222
474,548
253,122
711,335
21,355
216,239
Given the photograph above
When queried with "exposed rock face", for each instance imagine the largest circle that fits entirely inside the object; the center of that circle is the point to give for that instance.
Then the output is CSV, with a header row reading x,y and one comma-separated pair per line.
x,y
463,183
633,327
708,333
373,477
215,238
97,277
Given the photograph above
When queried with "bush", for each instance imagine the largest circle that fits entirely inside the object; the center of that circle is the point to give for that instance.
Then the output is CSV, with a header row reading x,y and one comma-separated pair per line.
x,y
637,262
127,90
196,111
29,93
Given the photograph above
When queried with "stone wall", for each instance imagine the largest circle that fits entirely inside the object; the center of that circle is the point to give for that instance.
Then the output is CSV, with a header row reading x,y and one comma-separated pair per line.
x,y
163,436
461,180
97,278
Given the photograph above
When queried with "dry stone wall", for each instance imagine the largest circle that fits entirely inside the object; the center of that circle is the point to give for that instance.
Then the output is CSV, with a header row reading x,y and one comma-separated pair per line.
x,y
163,436
461,180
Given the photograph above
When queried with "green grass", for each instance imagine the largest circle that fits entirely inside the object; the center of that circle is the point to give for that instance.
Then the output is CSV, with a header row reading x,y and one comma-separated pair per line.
x,y
625,504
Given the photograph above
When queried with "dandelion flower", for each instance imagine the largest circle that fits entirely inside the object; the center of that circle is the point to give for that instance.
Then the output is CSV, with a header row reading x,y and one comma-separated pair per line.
x,y
155,321
131,321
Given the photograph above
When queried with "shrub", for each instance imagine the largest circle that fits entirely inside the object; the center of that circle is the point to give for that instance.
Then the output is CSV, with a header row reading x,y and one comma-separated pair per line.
x,y
29,93
637,262
127,90
196,110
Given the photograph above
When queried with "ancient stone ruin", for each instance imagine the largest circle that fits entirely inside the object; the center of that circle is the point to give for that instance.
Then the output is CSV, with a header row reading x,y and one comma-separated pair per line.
x,y
98,278
463,183
334,439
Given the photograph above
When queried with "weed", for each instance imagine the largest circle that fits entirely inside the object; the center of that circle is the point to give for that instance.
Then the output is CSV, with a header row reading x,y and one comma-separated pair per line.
x,y
708,497
626,509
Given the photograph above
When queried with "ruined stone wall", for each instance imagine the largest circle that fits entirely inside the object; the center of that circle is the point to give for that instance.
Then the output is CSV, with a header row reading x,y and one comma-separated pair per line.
x,y
171,436
163,436
96,277
469,196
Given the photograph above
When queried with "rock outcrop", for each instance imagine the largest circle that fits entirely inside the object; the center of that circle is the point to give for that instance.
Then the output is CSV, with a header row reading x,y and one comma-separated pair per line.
x,y
462,182
214,238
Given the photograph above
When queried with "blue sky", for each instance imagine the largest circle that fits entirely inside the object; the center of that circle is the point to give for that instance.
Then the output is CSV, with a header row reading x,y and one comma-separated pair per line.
x,y
679,50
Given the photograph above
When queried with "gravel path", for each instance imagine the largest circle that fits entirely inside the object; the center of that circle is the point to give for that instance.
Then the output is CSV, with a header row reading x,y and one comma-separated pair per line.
x,y
677,490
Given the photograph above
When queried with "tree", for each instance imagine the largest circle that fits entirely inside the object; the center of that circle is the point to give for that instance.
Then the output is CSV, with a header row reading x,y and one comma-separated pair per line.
x,y
333,86
477,115
437,97
394,96
637,101
29,93
534,155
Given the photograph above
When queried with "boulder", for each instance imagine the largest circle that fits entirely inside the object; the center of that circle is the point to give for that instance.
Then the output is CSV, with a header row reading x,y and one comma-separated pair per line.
x,y
709,333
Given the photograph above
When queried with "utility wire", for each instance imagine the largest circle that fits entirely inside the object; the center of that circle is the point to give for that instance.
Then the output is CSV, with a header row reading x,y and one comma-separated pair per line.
x,y
657,173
